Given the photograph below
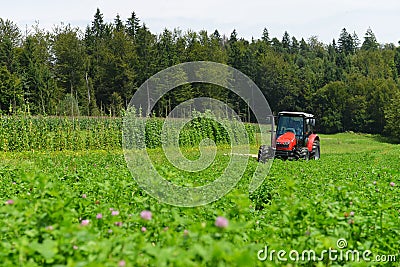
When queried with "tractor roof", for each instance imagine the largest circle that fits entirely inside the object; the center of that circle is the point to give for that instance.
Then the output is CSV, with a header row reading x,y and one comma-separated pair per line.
x,y
295,114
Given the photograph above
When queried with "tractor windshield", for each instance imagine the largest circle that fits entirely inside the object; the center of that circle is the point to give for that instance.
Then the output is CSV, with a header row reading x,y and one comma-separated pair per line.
x,y
291,124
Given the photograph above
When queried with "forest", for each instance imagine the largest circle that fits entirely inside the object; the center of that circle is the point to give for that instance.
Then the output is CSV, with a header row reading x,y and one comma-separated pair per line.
x,y
350,84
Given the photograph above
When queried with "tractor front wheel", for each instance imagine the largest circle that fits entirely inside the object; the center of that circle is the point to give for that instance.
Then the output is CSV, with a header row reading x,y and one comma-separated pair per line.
x,y
316,151
265,153
304,154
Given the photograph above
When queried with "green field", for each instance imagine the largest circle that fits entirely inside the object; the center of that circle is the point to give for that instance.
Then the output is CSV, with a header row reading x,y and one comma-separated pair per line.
x,y
48,196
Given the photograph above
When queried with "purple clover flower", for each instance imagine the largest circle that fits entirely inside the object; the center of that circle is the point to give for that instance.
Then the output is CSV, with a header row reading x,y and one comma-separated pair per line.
x,y
115,213
146,215
221,222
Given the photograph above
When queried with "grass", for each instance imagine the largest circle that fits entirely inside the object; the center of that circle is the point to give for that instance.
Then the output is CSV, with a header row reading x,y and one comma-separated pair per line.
x,y
345,143
301,205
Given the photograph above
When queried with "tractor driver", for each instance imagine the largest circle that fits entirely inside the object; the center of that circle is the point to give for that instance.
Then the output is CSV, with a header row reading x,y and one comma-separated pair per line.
x,y
298,127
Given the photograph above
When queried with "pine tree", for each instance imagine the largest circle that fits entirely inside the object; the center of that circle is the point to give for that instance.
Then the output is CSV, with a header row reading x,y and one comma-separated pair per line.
x,y
11,96
346,44
69,68
132,25
370,42
10,39
397,59
233,38
276,44
119,26
166,54
98,26
295,45
286,41
216,35
304,48
145,50
265,37
356,42
38,82
235,51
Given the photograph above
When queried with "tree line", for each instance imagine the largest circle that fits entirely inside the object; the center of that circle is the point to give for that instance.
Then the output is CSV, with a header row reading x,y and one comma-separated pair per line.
x,y
350,84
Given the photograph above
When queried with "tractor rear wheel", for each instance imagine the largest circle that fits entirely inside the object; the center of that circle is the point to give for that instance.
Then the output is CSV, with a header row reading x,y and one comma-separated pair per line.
x,y
316,151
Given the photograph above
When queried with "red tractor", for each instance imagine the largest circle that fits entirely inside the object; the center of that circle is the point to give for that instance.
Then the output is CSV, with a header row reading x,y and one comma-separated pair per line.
x,y
294,138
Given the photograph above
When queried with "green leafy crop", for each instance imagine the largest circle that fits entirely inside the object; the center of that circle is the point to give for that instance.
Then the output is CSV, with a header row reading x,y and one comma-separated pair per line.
x,y
82,208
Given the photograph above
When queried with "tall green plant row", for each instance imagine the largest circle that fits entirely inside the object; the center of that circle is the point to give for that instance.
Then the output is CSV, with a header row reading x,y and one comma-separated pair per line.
x,y
27,133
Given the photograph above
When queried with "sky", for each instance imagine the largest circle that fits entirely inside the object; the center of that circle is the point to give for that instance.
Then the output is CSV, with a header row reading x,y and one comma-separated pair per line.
x,y
302,19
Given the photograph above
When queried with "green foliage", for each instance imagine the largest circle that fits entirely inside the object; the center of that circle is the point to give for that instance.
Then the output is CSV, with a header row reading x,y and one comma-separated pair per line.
x,y
24,133
392,116
101,68
330,100
346,43
309,205
69,106
370,42
21,133
69,51
11,95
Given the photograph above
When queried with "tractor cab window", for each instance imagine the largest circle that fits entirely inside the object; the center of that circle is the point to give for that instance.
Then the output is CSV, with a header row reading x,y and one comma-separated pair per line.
x,y
290,124
309,129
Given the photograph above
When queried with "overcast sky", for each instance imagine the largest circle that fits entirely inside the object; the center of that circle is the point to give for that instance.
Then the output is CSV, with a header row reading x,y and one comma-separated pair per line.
x,y
322,18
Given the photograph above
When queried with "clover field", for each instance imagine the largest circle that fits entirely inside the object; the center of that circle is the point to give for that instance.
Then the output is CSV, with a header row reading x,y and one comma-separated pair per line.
x,y
83,208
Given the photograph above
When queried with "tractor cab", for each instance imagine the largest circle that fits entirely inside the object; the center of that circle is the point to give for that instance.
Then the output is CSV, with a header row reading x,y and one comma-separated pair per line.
x,y
299,123
294,138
